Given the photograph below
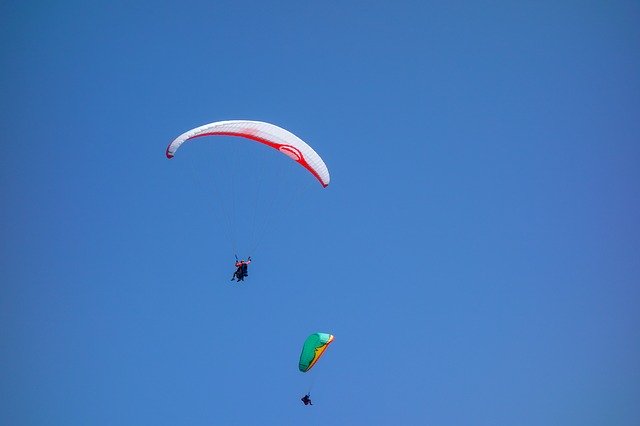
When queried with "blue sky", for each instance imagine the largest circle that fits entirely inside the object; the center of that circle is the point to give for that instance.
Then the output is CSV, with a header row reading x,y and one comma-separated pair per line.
x,y
476,254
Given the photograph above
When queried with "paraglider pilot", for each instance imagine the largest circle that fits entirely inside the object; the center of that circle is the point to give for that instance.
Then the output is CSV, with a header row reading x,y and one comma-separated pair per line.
x,y
241,269
306,399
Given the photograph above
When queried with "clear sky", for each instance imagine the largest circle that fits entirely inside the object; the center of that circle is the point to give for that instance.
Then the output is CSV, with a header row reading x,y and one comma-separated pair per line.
x,y
477,254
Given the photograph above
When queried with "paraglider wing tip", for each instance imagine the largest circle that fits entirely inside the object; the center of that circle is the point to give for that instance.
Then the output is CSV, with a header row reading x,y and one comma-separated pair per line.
x,y
168,154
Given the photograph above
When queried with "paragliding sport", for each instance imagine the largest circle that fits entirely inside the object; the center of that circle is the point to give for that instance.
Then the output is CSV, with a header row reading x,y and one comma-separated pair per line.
x,y
285,142
268,135
313,348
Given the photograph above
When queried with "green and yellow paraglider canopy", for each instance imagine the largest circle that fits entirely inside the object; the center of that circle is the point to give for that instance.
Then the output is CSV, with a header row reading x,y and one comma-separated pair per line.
x,y
313,349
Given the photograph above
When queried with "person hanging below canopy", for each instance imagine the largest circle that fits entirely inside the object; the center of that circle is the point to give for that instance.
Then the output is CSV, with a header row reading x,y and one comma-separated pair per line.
x,y
241,269
306,399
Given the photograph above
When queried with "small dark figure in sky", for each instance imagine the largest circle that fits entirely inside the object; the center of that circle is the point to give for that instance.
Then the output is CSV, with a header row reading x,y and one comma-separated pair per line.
x,y
306,399
241,269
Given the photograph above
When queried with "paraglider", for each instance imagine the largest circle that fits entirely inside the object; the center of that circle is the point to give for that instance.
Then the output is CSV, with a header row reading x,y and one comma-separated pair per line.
x,y
246,216
264,133
313,348
241,269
